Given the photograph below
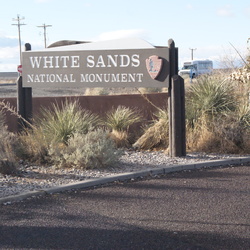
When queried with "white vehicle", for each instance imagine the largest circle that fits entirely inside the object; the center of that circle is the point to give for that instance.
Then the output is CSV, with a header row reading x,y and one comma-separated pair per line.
x,y
196,67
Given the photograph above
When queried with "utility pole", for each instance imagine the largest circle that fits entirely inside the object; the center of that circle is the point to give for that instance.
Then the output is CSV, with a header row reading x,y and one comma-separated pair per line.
x,y
192,54
44,26
18,24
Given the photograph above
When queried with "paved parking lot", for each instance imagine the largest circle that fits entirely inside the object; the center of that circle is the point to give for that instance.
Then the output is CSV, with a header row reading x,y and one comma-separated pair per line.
x,y
200,209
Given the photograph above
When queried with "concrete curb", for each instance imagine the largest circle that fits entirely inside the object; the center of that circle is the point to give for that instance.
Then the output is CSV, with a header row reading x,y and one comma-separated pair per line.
x,y
122,177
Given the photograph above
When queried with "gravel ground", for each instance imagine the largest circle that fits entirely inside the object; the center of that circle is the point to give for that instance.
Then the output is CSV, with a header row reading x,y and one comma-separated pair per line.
x,y
34,177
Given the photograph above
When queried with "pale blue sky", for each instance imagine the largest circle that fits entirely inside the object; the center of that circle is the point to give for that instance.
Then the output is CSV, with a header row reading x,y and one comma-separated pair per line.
x,y
208,26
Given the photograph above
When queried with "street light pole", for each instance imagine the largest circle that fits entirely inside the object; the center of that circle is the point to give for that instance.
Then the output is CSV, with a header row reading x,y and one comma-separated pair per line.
x,y
192,54
18,24
44,26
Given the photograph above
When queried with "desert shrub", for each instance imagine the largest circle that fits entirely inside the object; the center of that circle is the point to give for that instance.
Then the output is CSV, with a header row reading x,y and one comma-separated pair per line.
x,y
30,143
55,127
92,150
60,123
217,121
8,147
33,144
119,121
156,135
211,95
225,134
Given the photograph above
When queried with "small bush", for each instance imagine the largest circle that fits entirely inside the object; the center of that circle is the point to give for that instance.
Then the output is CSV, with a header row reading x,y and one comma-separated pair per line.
x,y
34,145
8,147
60,123
92,150
119,121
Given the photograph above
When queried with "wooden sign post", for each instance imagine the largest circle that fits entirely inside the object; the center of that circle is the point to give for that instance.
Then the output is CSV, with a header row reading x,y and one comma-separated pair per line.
x,y
176,106
24,98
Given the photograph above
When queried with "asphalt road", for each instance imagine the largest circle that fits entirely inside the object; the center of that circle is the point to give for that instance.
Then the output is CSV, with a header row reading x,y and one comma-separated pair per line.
x,y
201,209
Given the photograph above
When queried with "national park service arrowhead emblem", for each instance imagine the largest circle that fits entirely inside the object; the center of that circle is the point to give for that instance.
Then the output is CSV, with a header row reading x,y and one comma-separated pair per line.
x,y
154,66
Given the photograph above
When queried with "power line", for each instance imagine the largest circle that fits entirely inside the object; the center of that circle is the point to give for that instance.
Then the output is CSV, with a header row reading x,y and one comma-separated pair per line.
x,y
192,53
44,26
18,24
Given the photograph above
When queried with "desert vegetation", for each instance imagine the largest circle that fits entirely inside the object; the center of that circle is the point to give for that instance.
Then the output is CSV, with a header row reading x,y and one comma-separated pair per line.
x,y
118,121
218,115
65,135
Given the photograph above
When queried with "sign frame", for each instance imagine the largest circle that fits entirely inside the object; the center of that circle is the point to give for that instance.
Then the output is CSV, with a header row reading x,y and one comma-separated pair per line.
x,y
97,68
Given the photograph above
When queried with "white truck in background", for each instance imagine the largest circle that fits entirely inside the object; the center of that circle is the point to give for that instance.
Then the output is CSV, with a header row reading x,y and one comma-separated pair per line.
x,y
196,67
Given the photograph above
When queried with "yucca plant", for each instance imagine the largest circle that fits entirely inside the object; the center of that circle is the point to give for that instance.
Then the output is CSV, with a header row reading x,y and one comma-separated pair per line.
x,y
60,123
211,95
119,121
217,120
121,118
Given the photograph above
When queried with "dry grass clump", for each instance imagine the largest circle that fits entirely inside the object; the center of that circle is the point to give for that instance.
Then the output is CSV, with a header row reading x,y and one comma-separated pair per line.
x,y
149,90
34,144
119,121
7,81
120,138
8,147
223,135
96,91
156,135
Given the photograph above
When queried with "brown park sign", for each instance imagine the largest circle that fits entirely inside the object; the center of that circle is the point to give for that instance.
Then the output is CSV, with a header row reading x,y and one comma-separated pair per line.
x,y
123,63
96,68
